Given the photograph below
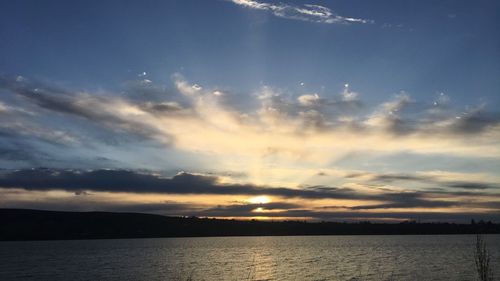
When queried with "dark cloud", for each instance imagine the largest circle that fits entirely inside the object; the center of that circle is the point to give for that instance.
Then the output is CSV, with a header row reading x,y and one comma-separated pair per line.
x,y
353,215
355,175
402,201
184,183
14,153
475,121
273,209
48,97
472,185
80,181
146,90
130,181
403,116
413,203
400,177
486,204
21,152
427,179
162,107
297,212
447,192
95,108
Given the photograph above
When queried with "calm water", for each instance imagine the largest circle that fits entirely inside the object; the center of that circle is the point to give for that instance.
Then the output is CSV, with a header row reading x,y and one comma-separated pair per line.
x,y
247,258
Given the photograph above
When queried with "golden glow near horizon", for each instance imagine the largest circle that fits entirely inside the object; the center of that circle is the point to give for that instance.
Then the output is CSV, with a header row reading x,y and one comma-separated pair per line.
x,y
259,200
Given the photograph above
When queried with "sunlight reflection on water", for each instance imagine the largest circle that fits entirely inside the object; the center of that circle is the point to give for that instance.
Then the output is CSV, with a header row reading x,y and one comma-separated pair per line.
x,y
247,258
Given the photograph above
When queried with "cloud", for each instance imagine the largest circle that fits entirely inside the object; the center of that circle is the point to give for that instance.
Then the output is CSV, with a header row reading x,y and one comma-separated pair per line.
x,y
113,113
135,182
400,177
407,200
122,190
429,179
16,152
389,116
473,185
349,215
306,12
308,100
80,181
277,210
348,95
285,128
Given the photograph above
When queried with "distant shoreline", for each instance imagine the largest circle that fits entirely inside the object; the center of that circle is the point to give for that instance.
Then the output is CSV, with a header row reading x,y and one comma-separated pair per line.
x,y
24,225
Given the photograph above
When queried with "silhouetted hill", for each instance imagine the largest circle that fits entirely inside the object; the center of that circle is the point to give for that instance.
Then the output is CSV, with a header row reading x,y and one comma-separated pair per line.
x,y
21,224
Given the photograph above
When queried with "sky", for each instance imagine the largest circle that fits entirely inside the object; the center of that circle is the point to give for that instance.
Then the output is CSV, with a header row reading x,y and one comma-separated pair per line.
x,y
291,110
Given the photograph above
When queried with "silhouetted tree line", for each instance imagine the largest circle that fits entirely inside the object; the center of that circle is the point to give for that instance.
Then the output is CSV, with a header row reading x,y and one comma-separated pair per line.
x,y
20,224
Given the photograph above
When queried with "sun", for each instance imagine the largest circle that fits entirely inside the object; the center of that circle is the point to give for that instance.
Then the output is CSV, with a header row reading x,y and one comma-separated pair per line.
x,y
259,200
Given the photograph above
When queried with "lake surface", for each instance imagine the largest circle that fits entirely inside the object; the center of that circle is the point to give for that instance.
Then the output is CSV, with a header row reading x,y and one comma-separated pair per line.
x,y
432,257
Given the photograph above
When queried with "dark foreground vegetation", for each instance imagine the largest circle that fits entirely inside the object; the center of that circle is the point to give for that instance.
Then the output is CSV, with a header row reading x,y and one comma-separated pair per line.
x,y
20,224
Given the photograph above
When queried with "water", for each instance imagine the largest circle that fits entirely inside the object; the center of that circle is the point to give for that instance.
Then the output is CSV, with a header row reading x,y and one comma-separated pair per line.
x,y
248,258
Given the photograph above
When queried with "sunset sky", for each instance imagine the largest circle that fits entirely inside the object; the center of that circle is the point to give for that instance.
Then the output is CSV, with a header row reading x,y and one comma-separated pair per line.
x,y
316,110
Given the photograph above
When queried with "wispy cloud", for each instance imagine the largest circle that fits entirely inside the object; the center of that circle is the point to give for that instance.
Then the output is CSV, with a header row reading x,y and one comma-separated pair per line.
x,y
302,129
432,179
306,12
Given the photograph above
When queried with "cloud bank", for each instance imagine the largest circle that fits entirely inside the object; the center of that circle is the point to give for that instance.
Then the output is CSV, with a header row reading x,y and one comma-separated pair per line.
x,y
286,202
